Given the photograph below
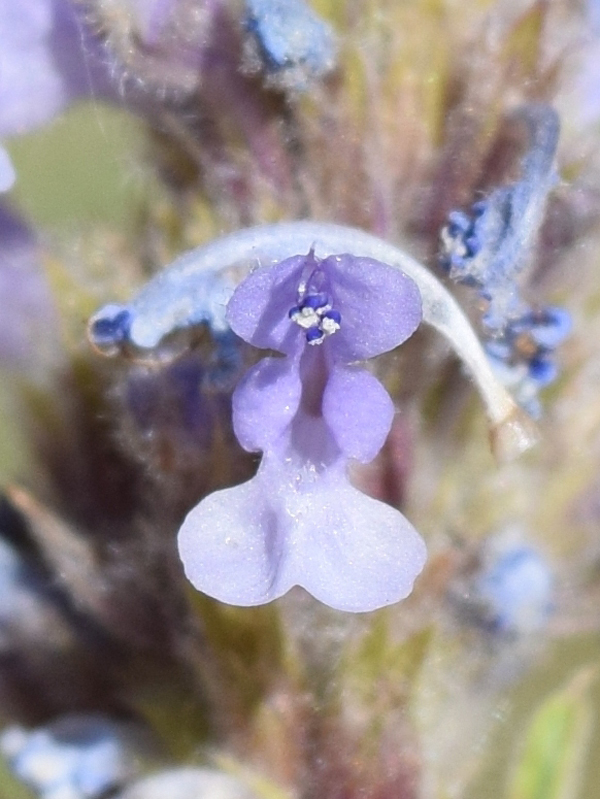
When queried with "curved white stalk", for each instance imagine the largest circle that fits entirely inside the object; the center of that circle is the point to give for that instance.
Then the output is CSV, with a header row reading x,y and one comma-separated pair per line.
x,y
177,297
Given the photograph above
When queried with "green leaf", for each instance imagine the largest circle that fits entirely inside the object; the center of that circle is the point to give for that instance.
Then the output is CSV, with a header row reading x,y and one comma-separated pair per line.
x,y
550,761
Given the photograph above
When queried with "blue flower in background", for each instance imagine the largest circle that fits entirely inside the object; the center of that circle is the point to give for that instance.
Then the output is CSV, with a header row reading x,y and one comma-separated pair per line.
x,y
490,248
75,757
523,354
515,587
295,46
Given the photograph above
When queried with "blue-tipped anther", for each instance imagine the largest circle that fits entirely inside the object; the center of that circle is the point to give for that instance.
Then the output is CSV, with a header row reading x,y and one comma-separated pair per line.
x,y
334,315
473,245
110,326
551,327
315,301
543,371
314,335
479,208
458,222
294,311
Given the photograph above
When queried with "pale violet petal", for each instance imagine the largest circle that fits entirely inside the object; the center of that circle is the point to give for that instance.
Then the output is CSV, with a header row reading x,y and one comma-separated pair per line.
x,y
350,551
231,545
259,309
358,411
290,525
265,402
380,306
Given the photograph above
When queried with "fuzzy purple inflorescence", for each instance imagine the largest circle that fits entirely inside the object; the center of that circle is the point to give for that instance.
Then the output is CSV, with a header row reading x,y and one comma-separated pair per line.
x,y
299,521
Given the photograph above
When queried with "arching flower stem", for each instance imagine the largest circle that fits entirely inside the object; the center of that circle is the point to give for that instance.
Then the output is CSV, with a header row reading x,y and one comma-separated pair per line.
x,y
167,303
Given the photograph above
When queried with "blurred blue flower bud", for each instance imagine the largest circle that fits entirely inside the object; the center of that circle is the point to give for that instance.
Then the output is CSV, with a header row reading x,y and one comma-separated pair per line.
x,y
189,783
523,354
490,247
176,298
75,757
514,589
295,46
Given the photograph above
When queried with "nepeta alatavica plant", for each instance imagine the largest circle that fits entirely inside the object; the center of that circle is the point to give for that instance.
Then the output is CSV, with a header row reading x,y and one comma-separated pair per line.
x,y
326,297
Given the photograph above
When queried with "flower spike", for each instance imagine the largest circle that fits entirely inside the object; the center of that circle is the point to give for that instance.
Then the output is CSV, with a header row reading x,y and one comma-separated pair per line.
x,y
489,250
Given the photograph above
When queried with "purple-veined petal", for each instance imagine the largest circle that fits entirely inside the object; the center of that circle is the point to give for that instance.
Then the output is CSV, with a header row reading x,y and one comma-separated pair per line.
x,y
259,308
265,402
358,410
380,306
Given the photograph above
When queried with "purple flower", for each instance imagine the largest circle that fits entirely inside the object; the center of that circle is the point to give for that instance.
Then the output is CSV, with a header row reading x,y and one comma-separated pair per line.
x,y
299,521
47,60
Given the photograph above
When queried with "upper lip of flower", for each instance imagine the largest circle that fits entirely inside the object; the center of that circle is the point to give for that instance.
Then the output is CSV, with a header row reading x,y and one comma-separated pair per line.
x,y
380,307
